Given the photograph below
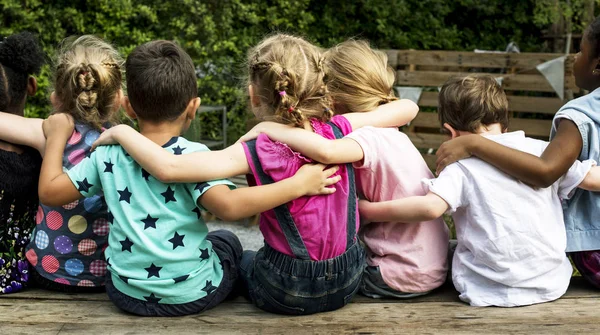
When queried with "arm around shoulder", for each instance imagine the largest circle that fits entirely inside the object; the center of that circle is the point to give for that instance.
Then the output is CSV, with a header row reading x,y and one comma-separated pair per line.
x,y
410,209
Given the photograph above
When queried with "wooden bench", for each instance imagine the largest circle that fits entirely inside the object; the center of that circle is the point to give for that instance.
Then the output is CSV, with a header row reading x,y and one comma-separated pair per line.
x,y
43,312
532,100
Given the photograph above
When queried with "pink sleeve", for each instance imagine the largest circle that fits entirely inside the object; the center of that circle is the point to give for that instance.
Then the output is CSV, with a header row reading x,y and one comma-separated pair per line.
x,y
365,137
343,123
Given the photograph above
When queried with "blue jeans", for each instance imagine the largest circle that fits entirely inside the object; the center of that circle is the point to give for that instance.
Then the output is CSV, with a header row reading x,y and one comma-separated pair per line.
x,y
228,248
278,283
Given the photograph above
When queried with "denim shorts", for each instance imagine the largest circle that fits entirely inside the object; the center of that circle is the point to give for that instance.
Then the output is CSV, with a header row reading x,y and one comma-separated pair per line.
x,y
278,283
228,248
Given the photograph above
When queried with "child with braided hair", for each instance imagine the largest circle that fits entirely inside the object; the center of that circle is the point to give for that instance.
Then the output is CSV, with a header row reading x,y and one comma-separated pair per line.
x,y
21,57
66,251
312,261
404,260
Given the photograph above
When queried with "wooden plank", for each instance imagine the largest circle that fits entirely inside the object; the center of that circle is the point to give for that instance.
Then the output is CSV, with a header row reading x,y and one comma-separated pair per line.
x,y
541,105
517,82
472,59
392,57
532,127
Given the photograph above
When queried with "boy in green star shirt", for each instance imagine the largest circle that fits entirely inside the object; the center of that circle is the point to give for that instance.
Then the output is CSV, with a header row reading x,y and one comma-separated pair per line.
x,y
162,260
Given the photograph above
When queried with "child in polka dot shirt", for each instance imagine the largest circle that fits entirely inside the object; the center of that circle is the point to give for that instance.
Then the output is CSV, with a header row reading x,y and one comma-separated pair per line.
x,y
162,261
66,252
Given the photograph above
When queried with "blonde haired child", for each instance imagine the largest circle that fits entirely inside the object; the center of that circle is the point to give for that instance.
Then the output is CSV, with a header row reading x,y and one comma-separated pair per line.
x,y
404,260
311,261
67,247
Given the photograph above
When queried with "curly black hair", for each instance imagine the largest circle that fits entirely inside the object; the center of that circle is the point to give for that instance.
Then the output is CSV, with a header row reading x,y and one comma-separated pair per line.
x,y
593,36
20,56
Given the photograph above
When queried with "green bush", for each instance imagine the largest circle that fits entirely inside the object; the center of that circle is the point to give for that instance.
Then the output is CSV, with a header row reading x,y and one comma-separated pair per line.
x,y
217,33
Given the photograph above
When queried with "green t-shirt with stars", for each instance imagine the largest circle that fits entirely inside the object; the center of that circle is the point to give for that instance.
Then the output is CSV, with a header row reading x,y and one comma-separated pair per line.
x,y
157,250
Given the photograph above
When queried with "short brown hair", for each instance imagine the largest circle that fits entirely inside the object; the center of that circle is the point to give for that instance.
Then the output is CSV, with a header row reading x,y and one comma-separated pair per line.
x,y
358,77
469,102
286,73
161,80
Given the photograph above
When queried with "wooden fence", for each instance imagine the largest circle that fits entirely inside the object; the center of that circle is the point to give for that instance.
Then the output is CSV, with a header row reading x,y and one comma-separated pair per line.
x,y
532,100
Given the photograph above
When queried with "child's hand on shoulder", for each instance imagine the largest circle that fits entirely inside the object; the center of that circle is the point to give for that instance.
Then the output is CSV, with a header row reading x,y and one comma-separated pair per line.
x,y
110,136
59,126
263,127
314,179
454,150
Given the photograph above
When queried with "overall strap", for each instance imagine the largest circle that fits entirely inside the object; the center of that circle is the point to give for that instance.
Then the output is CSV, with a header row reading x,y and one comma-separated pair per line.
x,y
282,213
352,199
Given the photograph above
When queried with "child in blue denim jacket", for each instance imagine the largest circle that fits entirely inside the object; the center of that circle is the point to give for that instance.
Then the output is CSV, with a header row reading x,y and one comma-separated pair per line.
x,y
575,135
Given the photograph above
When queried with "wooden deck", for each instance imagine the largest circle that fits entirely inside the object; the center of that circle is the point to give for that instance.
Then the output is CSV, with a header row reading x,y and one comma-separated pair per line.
x,y
42,312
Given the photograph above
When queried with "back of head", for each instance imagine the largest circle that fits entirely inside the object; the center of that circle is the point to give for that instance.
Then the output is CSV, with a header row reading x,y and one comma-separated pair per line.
x,y
87,79
468,102
286,73
592,33
161,80
358,77
20,57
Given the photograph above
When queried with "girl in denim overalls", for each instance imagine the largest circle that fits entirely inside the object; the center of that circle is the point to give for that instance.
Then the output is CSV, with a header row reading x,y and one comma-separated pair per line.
x,y
575,135
312,261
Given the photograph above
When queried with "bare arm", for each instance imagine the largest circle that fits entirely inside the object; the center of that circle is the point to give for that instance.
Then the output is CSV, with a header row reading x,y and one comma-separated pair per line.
x,y
232,205
542,171
393,114
169,168
411,209
23,131
592,180
55,188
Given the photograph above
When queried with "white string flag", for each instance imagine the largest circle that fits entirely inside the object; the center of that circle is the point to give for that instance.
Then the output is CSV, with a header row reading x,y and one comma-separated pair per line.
x,y
554,72
411,93
499,80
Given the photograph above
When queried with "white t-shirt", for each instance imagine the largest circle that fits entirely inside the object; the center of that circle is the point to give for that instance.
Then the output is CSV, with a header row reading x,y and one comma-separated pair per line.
x,y
511,237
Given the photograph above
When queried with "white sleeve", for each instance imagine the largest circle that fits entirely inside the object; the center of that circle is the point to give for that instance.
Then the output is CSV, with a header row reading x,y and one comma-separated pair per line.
x,y
450,185
577,172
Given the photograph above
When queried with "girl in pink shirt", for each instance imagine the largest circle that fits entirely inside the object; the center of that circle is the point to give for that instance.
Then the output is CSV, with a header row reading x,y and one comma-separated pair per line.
x,y
405,259
311,261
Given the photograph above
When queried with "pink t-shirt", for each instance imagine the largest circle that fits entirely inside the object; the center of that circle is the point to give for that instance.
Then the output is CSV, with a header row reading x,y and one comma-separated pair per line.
x,y
412,257
320,220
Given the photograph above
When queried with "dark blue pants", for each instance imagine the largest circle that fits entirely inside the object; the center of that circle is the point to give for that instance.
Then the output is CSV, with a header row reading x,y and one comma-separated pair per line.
x,y
280,284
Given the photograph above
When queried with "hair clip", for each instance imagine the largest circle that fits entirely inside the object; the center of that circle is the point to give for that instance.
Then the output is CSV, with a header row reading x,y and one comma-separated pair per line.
x,y
282,93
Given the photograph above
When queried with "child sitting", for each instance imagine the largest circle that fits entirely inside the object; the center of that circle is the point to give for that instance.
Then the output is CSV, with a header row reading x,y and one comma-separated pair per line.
x,y
312,261
511,237
161,260
20,57
405,260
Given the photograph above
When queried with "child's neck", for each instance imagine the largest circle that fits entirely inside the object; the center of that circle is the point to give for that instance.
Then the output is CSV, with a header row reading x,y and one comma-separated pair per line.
x,y
160,133
491,129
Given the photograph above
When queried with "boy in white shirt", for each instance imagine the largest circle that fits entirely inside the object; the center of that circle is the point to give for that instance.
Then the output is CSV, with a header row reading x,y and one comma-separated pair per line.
x,y
511,237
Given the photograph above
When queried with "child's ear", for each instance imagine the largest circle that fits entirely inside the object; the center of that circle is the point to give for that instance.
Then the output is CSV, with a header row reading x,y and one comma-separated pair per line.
x,y
253,97
31,86
192,108
128,109
453,132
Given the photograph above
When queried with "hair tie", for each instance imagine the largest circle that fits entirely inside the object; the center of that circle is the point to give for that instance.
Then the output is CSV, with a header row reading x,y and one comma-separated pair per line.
x,y
282,93
84,73
291,109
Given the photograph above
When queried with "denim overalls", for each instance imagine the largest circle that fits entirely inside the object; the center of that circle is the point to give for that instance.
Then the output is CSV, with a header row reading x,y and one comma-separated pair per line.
x,y
297,285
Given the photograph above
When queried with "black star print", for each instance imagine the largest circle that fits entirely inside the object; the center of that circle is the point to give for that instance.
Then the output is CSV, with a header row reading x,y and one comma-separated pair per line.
x,y
180,279
125,279
149,222
126,244
84,185
108,167
110,218
125,195
145,174
204,254
201,186
198,212
177,240
108,262
178,150
152,298
169,195
153,271
209,288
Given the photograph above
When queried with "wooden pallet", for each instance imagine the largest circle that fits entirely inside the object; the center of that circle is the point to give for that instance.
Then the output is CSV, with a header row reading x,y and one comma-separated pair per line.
x,y
43,312
532,101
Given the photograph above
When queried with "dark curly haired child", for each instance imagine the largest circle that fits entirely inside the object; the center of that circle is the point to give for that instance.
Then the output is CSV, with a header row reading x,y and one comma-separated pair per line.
x,y
20,57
